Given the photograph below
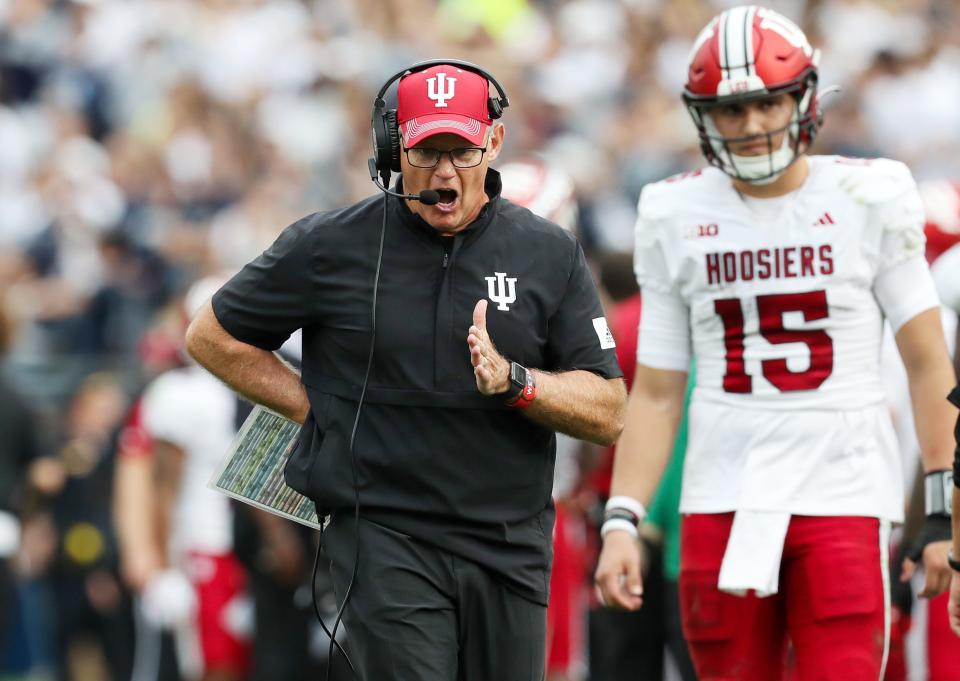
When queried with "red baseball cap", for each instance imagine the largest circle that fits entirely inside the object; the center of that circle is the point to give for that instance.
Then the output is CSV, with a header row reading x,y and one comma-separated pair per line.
x,y
443,99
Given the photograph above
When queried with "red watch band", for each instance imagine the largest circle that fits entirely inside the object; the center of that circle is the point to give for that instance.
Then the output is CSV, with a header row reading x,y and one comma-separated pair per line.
x,y
527,395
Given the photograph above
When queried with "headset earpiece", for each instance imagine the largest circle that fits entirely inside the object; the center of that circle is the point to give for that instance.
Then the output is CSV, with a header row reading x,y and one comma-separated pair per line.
x,y
393,139
386,138
494,108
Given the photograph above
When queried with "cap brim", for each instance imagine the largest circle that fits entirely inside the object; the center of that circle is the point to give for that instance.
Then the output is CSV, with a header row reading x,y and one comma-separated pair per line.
x,y
418,129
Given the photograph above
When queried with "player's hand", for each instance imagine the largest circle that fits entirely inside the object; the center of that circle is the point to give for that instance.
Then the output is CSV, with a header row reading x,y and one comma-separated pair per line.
x,y
617,579
937,570
492,371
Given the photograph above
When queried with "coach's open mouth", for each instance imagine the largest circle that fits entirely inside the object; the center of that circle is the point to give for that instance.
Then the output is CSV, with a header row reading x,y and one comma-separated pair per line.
x,y
447,195
448,199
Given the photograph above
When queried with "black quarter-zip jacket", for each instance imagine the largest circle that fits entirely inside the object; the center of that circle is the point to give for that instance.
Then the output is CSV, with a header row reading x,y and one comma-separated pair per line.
x,y
437,460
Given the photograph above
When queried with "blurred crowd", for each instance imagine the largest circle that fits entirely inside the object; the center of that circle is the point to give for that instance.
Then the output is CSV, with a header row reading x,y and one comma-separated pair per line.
x,y
147,143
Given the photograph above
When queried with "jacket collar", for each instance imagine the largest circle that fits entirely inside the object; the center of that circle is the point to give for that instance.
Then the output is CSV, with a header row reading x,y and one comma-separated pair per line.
x,y
492,185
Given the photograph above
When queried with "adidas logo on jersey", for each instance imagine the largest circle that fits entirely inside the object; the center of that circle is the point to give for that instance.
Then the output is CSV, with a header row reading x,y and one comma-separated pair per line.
x,y
825,219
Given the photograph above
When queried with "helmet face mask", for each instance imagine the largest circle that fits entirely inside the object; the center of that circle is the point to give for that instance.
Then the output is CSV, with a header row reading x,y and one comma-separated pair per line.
x,y
744,55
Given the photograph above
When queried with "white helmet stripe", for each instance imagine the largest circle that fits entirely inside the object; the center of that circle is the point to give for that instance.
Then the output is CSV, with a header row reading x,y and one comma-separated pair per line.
x,y
736,41
722,45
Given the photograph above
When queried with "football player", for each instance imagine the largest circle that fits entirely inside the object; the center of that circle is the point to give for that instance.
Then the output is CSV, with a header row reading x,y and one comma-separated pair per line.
x,y
776,269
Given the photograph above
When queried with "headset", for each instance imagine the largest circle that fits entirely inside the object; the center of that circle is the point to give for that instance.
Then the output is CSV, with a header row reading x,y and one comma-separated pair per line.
x,y
383,121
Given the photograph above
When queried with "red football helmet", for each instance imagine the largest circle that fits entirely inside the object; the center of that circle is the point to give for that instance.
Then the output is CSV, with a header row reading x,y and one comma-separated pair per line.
x,y
544,189
748,53
941,204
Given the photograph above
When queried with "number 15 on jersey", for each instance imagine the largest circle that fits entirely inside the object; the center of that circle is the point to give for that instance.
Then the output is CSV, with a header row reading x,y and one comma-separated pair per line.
x,y
770,309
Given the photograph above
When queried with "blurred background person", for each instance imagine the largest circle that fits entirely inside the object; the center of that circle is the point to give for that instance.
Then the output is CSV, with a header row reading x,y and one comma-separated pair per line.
x,y
198,588
19,448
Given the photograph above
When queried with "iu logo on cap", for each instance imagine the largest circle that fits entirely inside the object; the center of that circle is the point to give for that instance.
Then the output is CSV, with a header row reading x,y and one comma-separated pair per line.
x,y
438,91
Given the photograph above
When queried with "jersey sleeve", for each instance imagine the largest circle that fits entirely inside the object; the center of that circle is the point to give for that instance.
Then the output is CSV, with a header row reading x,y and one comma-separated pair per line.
x,y
166,412
946,276
664,337
903,285
578,336
649,258
274,295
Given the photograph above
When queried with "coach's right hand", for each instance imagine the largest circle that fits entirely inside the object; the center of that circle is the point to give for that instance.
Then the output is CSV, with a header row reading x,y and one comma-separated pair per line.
x,y
617,579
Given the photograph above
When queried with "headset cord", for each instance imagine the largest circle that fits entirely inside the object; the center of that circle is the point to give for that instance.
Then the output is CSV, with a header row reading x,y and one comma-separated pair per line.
x,y
353,460
316,608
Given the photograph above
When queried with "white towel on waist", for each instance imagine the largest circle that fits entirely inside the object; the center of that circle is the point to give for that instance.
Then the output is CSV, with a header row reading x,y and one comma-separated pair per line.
x,y
754,549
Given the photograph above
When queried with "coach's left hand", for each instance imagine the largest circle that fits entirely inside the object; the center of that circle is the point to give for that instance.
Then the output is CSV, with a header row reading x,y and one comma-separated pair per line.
x,y
937,570
490,368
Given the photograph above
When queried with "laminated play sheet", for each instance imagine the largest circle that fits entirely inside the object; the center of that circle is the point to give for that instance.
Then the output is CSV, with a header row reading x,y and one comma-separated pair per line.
x,y
252,470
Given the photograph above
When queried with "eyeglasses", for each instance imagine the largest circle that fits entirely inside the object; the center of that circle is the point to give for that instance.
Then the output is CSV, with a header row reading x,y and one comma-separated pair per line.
x,y
464,157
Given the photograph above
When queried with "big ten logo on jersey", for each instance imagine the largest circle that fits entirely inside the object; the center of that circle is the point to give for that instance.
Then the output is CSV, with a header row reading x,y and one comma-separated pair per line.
x,y
700,231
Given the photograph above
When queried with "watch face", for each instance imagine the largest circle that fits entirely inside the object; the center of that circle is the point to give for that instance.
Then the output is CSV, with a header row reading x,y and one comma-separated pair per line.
x,y
518,375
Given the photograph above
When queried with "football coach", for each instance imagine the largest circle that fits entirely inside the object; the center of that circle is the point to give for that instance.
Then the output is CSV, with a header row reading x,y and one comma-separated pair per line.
x,y
447,334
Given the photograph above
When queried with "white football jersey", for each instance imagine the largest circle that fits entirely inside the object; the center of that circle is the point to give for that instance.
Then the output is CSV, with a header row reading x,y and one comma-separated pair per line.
x,y
782,302
193,410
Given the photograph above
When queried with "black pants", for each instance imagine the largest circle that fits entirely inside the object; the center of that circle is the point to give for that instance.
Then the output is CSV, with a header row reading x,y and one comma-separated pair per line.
x,y
417,613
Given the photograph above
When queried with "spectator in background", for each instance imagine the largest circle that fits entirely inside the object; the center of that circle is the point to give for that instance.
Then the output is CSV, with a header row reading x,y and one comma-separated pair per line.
x,y
18,449
94,620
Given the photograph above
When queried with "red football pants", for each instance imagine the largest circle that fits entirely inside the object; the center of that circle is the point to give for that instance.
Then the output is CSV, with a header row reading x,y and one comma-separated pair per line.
x,y
832,603
567,607
943,646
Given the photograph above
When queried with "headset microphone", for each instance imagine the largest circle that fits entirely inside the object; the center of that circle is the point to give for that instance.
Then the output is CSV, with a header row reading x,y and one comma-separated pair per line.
x,y
428,197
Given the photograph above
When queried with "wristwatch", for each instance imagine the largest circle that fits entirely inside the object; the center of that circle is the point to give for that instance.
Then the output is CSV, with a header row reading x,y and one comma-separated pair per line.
x,y
523,387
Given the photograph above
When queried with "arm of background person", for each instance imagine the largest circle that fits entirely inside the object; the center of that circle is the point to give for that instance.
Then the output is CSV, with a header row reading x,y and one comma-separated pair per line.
x,y
168,460
135,517
257,374
652,415
930,377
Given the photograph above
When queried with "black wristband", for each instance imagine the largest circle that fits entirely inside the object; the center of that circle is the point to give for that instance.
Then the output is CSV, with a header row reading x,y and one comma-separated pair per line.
x,y
954,564
935,528
623,514
938,492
